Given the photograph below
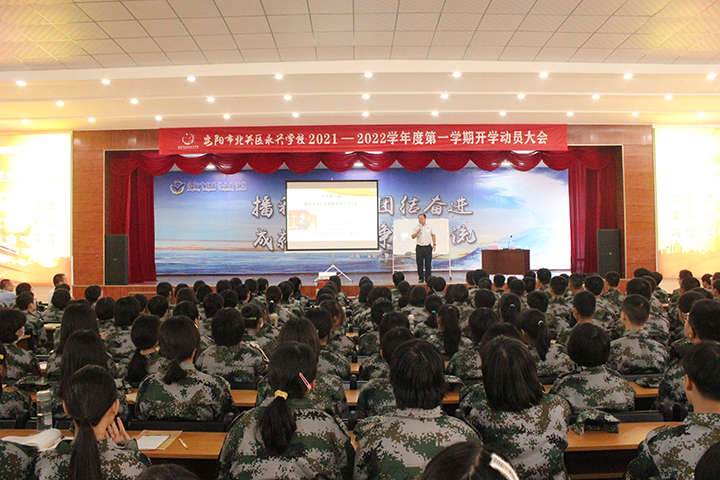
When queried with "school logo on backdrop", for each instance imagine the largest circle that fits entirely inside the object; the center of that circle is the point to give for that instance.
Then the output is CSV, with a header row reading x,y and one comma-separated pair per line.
x,y
177,187
188,139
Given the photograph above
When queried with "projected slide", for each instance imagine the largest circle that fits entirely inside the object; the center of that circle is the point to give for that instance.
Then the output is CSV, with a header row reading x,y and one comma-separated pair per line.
x,y
332,215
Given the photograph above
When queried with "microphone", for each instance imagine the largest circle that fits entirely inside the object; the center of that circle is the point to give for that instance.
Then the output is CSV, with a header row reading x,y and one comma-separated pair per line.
x,y
508,245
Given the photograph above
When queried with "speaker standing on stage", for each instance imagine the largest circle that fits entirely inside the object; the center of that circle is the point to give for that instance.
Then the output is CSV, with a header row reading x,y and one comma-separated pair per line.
x,y
425,237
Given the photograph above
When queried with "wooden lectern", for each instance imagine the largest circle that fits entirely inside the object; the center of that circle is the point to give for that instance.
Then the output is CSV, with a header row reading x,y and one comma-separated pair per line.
x,y
515,262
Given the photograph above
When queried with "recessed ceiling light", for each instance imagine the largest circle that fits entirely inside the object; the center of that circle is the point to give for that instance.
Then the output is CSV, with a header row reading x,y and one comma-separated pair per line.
x,y
365,96
366,114
105,81
543,74
635,114
59,103
628,76
521,96
457,74
668,97
26,120
288,97
701,114
711,76
158,118
279,76
503,113
368,74
190,78
570,114
434,114
296,114
595,97
226,116
134,101
91,120
211,99
444,96
20,83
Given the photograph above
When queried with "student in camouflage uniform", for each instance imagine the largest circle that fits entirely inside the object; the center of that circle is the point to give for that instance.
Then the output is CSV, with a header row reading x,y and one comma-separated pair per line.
x,y
190,310
369,342
20,363
594,386
338,341
466,363
287,439
144,333
657,325
604,311
17,461
329,361
34,326
118,343
513,414
449,339
15,403
583,307
416,304
559,311
635,352
375,366
551,359
181,391
399,446
611,292
469,460
674,452
54,313
376,396
458,296
105,311
365,322
430,326
256,331
229,357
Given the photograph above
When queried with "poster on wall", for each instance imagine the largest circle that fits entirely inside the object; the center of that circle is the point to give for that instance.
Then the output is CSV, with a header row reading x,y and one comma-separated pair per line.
x,y
217,224
35,208
687,179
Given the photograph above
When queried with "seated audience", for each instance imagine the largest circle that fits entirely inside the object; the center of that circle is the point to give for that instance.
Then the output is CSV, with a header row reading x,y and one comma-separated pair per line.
x,y
14,403
20,363
145,333
449,339
468,461
551,359
330,361
118,342
60,300
376,365
466,363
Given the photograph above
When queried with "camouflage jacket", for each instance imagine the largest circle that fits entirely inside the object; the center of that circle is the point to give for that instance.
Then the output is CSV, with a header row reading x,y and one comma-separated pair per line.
x,y
333,364
559,307
419,315
615,297
18,461
52,315
672,386
635,353
236,364
557,325
612,327
156,362
437,339
533,440
199,396
20,363
369,343
595,388
399,446
659,328
673,453
56,404
35,327
466,364
319,448
119,344
423,331
328,395
52,369
557,362
465,310
267,343
105,326
340,343
119,462
14,403
374,366
376,398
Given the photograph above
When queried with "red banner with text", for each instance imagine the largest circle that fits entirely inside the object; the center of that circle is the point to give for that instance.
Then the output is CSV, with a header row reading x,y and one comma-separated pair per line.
x,y
366,138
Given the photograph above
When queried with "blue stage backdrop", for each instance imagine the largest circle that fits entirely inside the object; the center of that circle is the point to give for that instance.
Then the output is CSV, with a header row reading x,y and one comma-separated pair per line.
x,y
216,224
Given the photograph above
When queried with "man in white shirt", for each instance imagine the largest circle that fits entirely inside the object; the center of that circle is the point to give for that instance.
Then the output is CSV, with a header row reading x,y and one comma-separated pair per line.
x,y
425,237
58,278
7,291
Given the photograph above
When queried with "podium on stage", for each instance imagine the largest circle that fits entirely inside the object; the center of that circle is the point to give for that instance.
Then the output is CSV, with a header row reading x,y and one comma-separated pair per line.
x,y
507,261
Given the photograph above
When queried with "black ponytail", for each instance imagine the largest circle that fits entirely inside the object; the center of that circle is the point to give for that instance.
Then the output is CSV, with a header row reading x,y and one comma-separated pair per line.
x,y
144,334
509,307
450,319
532,321
289,364
273,295
179,338
432,305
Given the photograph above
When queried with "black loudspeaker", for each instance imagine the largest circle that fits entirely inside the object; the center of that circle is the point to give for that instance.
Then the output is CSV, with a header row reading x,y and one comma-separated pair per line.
x,y
608,251
116,259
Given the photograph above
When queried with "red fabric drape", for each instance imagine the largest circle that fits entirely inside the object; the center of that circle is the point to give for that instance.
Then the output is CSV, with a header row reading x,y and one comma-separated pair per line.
x,y
591,185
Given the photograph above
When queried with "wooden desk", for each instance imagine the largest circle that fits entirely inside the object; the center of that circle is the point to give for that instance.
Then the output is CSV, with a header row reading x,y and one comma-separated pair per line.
x,y
355,368
630,436
506,261
640,392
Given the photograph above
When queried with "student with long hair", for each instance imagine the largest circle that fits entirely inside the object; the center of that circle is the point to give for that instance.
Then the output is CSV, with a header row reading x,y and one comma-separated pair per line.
x,y
551,359
101,448
13,403
514,415
509,307
180,391
430,325
466,362
448,338
144,333
118,342
20,363
288,439
469,461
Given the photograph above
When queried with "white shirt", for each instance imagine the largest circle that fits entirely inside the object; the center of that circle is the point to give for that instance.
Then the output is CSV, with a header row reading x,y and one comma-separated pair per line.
x,y
424,238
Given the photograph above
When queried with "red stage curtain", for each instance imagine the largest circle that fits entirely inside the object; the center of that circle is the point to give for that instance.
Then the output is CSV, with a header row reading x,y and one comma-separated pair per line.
x,y
591,185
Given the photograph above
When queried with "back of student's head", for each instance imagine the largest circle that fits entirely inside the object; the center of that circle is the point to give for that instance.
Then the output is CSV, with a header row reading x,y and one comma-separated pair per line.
x,y
83,347
516,287
612,278
212,303
392,339
10,322
203,291
158,305
142,300
179,287
78,316
468,461
144,335
530,284
185,295
537,300
437,284
187,309
228,327
179,339
300,330
398,277
708,467
544,275
105,308
222,285
417,375
92,293
702,364
449,323
273,296
641,272
167,471
558,285
460,293
484,299
364,292
576,281
688,283
499,280
594,284
230,298
485,283
291,365
252,314
532,322
321,319
126,311
392,320
638,286
89,394
417,296
501,329
687,300
379,308
22,287
60,299
480,320
432,305
637,309
164,289
584,303
510,375
589,345
24,300
509,308
651,280
704,319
